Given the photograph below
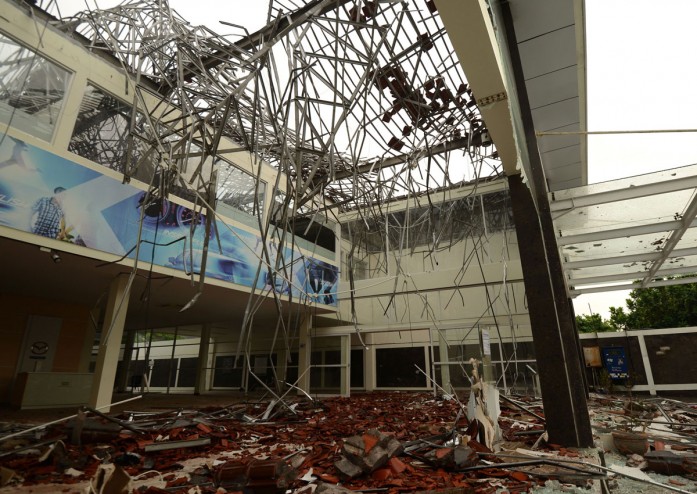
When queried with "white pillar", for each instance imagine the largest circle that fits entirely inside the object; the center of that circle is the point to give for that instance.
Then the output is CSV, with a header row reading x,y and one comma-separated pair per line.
x,y
110,344
90,331
202,367
345,386
647,364
305,354
281,362
444,359
122,374
369,364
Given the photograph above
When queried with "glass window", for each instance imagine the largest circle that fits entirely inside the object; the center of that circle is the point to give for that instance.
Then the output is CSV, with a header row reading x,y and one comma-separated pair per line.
x,y
187,372
102,131
312,232
164,371
498,212
226,374
237,192
396,367
357,378
32,90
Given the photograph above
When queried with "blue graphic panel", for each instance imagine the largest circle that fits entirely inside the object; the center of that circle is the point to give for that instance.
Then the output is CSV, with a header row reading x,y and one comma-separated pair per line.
x,y
47,195
615,361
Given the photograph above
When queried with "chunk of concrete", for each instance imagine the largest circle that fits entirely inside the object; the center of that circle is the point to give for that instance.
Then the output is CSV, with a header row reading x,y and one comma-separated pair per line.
x,y
354,448
347,469
377,458
393,447
325,488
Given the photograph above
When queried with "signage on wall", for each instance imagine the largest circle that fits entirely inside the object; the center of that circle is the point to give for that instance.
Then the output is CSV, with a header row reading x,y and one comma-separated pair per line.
x,y
48,195
38,350
615,362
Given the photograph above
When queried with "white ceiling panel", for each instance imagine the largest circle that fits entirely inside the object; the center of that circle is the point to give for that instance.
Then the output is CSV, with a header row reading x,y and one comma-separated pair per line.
x,y
553,87
550,143
561,157
548,53
552,117
536,17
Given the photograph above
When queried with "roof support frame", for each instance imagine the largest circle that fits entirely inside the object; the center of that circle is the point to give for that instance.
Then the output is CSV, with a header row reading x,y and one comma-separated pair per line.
x,y
634,192
634,275
609,261
628,231
632,286
687,221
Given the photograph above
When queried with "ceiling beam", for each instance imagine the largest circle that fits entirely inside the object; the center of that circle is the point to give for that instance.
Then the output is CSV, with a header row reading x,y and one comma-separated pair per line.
x,y
378,165
624,194
687,221
629,276
633,286
469,28
629,231
609,261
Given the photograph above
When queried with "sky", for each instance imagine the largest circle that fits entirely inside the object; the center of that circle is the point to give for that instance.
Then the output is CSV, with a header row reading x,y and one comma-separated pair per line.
x,y
641,75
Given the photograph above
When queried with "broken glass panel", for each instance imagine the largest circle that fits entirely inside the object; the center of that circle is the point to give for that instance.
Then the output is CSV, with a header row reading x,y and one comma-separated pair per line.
x,y
102,134
32,89
238,196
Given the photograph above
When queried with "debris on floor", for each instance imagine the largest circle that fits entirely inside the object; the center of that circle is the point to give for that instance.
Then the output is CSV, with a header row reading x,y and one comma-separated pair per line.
x,y
392,442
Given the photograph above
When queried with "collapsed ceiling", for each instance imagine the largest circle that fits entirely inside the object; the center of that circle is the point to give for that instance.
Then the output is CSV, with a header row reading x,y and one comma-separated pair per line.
x,y
356,102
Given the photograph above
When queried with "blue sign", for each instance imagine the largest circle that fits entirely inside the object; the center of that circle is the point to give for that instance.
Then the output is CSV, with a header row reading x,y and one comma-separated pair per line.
x,y
47,195
615,361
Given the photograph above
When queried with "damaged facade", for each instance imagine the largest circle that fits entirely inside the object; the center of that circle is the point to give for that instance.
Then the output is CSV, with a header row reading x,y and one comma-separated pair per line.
x,y
317,208
318,203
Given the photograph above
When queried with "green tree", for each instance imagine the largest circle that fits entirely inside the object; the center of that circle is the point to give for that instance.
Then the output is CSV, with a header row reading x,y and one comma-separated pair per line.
x,y
618,318
671,306
593,323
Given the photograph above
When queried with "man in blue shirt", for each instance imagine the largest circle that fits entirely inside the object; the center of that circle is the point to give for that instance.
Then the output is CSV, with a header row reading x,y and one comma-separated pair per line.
x,y
47,214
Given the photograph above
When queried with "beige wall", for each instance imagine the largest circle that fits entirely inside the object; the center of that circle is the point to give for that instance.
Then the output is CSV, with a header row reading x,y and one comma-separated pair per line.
x,y
443,287
15,312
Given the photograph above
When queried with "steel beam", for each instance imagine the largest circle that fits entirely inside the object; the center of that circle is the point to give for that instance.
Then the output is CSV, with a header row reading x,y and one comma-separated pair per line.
x,y
628,231
631,276
625,194
687,221
551,314
632,286
609,261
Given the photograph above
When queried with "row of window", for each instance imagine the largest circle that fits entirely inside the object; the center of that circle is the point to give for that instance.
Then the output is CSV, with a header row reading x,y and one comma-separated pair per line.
x,y
395,368
447,223
108,131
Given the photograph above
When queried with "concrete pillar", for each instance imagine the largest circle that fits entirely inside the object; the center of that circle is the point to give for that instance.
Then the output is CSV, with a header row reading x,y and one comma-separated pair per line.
x,y
305,354
202,367
345,386
110,344
444,359
122,374
485,345
369,364
86,354
553,330
282,362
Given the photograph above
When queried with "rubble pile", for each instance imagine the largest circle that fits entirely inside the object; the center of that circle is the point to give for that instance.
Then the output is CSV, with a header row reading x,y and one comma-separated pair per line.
x,y
392,442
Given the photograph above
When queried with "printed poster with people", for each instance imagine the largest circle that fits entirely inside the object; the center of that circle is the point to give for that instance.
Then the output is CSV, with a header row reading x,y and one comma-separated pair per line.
x,y
47,195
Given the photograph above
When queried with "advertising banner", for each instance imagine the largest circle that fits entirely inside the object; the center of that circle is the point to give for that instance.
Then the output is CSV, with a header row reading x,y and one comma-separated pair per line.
x,y
47,195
